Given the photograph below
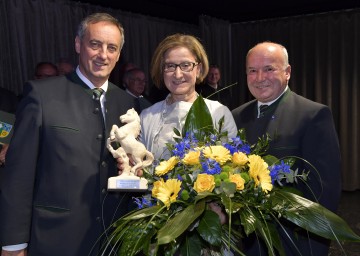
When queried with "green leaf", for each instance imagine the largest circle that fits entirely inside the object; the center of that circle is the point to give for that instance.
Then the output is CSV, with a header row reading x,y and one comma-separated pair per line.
x,y
210,228
262,146
136,237
275,239
203,195
142,213
228,203
254,221
229,188
313,217
191,245
167,250
198,119
248,219
177,132
270,159
178,224
242,134
270,235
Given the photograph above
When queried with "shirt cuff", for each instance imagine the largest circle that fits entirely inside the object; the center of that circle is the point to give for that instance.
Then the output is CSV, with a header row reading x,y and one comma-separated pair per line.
x,y
15,247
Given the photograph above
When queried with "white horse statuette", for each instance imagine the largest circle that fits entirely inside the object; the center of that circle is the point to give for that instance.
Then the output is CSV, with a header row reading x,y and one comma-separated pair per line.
x,y
127,136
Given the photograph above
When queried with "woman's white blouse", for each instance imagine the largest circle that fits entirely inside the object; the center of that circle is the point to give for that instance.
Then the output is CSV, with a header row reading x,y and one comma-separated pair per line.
x,y
159,120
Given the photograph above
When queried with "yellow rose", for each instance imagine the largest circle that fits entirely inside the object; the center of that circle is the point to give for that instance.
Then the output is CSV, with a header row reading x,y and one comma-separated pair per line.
x,y
192,158
240,159
238,180
204,182
166,166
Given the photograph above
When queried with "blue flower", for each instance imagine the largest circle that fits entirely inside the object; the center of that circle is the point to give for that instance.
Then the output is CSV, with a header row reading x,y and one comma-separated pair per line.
x,y
213,138
184,145
210,166
237,145
142,202
278,171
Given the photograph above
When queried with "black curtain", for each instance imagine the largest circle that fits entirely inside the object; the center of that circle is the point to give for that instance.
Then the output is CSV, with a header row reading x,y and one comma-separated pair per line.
x,y
44,30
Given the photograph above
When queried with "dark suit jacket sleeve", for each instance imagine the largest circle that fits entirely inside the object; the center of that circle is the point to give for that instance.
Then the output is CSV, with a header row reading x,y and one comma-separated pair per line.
x,y
58,168
321,148
26,140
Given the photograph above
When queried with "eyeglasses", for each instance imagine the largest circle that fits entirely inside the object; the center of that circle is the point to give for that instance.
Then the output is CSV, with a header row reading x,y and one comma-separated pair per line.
x,y
138,81
184,66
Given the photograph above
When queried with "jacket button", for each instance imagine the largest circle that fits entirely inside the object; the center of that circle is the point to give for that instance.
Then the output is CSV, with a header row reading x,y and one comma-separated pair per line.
x,y
99,137
103,191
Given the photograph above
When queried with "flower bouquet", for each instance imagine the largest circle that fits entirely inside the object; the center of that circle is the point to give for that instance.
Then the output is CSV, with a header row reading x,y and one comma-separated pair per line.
x,y
208,177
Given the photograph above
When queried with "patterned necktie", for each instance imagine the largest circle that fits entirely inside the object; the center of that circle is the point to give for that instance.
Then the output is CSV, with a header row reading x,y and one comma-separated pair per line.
x,y
97,92
262,109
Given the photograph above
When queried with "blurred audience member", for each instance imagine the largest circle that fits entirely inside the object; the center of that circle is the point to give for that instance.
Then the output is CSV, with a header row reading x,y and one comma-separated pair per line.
x,y
211,83
45,69
64,67
210,87
134,81
123,69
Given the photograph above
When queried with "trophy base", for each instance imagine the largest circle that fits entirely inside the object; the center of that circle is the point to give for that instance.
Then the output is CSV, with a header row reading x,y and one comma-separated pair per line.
x,y
127,183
